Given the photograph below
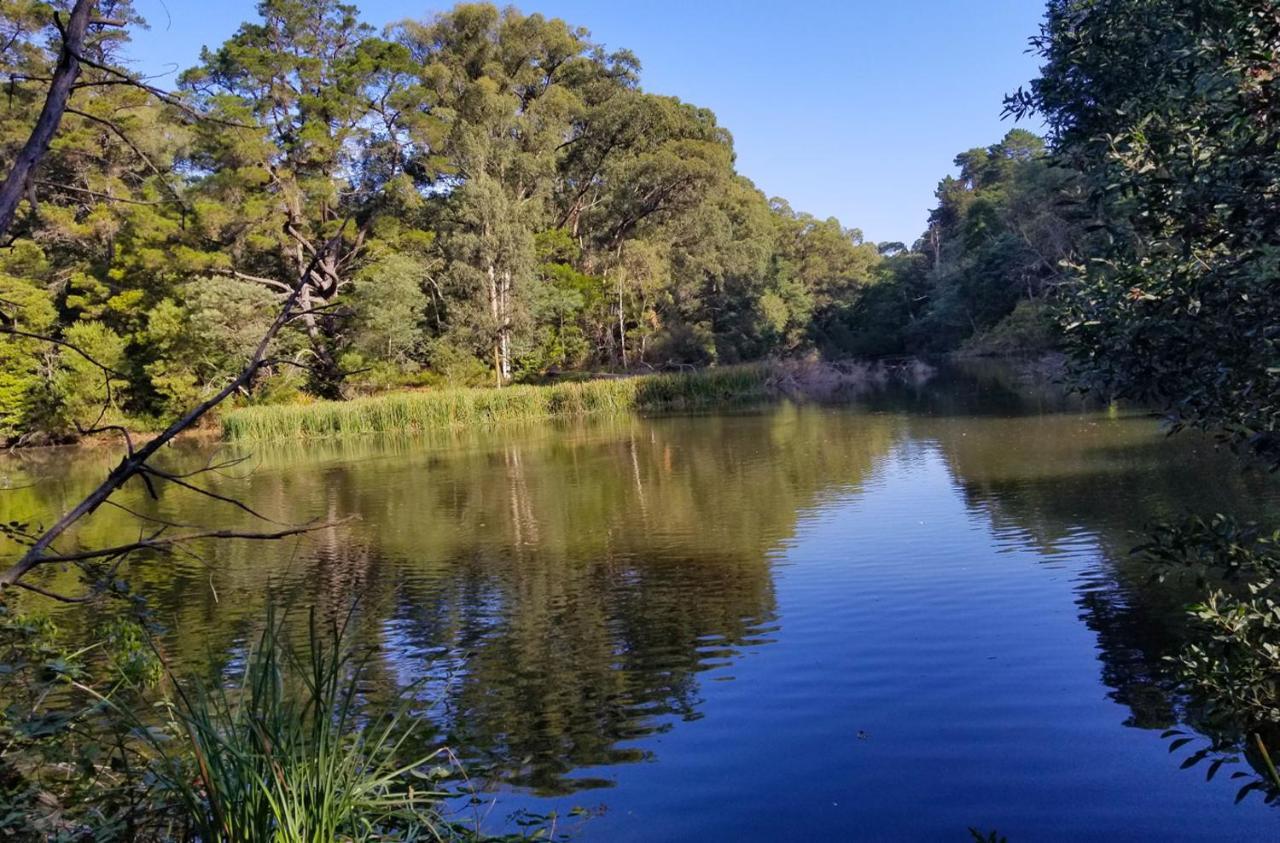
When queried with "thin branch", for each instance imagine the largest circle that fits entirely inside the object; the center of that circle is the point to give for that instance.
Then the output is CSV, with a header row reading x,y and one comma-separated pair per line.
x,y
53,595
9,329
159,93
142,516
257,279
177,480
120,133
107,196
319,308
209,466
166,542
115,428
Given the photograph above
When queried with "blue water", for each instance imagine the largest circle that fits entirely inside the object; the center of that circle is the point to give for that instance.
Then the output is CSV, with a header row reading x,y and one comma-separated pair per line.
x,y
892,620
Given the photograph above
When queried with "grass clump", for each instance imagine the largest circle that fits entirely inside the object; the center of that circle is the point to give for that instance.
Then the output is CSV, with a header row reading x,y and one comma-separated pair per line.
x,y
410,412
286,756
302,745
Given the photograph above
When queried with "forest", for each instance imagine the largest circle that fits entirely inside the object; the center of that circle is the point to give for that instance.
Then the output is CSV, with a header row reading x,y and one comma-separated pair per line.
x,y
505,203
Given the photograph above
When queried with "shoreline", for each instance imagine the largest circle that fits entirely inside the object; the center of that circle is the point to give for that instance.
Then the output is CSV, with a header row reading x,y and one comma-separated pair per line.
x,y
597,393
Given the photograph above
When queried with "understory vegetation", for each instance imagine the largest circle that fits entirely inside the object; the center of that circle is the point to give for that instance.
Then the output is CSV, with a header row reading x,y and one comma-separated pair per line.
x,y
473,407
497,199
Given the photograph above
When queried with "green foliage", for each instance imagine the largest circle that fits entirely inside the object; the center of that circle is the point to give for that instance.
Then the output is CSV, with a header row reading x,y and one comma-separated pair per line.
x,y
24,362
1230,664
388,307
1168,111
62,739
287,754
497,199
85,385
1029,329
994,251
203,341
496,192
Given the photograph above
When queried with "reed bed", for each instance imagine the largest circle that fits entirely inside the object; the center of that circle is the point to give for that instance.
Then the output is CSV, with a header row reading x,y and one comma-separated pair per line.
x,y
411,412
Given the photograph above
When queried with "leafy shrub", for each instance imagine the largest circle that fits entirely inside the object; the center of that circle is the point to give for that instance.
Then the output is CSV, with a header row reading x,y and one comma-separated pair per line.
x,y
22,360
1230,664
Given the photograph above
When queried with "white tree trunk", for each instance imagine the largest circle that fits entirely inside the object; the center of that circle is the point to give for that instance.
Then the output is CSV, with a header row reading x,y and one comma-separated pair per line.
x,y
495,311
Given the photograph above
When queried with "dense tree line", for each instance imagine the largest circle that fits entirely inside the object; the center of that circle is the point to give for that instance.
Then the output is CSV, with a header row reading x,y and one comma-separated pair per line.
x,y
495,197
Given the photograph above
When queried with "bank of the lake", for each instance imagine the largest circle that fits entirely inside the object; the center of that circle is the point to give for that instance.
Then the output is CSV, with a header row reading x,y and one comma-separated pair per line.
x,y
447,408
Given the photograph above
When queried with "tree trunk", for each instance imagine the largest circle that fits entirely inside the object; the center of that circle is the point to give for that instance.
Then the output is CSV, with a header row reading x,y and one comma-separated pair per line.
x,y
55,104
494,310
326,375
622,327
504,327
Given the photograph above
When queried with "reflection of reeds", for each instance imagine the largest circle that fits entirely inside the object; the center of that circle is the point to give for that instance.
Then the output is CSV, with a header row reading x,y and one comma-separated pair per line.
x,y
452,408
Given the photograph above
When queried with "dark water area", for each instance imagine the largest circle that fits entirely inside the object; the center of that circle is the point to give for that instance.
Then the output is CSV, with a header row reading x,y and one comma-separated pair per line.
x,y
891,619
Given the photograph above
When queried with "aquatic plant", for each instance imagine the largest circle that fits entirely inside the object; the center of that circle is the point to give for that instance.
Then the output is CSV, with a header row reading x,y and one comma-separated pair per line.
x,y
443,409
286,754
451,408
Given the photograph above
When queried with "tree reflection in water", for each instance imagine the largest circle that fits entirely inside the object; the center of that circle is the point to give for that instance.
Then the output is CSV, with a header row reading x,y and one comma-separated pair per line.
x,y
560,591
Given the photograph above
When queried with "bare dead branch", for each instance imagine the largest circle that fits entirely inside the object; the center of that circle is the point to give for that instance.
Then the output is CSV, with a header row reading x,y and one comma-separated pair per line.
x,y
257,279
109,428
142,516
53,595
166,542
209,493
209,466
319,308
55,103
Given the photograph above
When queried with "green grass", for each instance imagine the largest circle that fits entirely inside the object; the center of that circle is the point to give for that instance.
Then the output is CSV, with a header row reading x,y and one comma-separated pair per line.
x,y
287,756
410,412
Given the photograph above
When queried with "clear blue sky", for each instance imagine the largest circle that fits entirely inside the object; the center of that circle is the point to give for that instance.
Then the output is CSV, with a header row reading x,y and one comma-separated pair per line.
x,y
850,109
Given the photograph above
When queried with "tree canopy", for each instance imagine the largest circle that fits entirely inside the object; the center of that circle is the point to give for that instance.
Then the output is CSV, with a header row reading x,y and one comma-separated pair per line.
x,y
489,195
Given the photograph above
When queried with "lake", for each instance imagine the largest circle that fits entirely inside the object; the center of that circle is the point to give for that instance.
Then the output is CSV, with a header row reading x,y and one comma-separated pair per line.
x,y
894,618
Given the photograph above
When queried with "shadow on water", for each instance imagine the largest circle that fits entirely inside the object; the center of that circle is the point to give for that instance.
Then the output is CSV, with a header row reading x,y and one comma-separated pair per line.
x,y
566,593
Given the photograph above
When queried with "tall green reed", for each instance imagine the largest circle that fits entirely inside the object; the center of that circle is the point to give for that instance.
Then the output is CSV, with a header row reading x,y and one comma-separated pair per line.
x,y
410,412
285,754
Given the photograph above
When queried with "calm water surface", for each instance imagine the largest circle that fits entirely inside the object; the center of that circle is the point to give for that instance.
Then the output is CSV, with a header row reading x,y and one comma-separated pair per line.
x,y
889,620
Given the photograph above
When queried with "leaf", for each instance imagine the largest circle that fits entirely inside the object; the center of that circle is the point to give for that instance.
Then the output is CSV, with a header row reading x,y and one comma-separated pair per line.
x,y
1246,790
